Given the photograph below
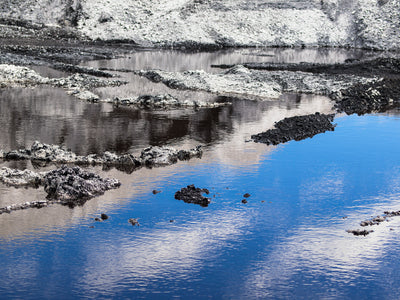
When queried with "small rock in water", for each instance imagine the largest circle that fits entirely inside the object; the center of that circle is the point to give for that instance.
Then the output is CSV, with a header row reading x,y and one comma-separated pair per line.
x,y
247,195
358,232
104,217
244,201
134,221
98,219
191,194
156,192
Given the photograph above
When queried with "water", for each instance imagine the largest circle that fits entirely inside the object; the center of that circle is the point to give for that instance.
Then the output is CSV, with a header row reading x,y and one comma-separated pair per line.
x,y
289,241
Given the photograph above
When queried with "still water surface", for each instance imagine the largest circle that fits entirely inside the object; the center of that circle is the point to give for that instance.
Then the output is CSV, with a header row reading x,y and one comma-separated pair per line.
x,y
289,241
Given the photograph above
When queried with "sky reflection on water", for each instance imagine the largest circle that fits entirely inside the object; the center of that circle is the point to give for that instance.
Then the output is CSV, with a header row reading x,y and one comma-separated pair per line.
x,y
288,242
292,245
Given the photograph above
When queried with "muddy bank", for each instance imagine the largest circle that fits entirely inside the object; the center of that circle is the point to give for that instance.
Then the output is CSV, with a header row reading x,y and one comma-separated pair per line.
x,y
76,84
355,86
67,186
296,128
149,157
381,66
379,96
239,81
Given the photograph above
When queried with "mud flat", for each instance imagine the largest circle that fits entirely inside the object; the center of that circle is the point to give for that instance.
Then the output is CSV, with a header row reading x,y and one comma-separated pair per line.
x,y
378,93
240,81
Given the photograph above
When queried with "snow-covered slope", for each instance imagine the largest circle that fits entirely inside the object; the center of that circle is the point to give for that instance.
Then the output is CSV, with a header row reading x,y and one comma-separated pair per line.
x,y
354,23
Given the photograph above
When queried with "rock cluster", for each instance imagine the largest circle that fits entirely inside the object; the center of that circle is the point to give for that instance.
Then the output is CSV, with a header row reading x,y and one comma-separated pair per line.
x,y
19,178
67,186
191,194
162,101
73,186
150,157
359,232
374,221
25,205
296,128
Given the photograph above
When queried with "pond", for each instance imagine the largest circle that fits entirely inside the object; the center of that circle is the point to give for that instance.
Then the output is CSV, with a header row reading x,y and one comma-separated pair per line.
x,y
288,241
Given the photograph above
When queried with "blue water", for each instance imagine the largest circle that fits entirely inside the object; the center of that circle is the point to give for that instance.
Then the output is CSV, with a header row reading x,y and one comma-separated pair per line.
x,y
288,242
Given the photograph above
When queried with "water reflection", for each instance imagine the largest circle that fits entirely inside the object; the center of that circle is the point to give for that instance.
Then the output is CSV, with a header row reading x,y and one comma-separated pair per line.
x,y
176,61
52,117
288,241
293,244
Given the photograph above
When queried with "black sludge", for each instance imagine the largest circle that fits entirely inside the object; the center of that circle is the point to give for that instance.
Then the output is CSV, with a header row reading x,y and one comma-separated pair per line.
x,y
296,128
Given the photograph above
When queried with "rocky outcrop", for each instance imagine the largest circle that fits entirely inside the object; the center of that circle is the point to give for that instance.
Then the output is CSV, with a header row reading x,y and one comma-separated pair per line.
x,y
149,157
296,128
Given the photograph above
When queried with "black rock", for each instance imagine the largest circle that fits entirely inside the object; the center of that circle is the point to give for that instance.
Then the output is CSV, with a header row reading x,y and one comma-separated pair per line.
x,y
247,195
134,222
156,192
104,217
191,194
98,219
244,201
358,232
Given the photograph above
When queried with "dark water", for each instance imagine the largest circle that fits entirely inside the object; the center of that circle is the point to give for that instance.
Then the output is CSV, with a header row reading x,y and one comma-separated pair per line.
x,y
288,242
